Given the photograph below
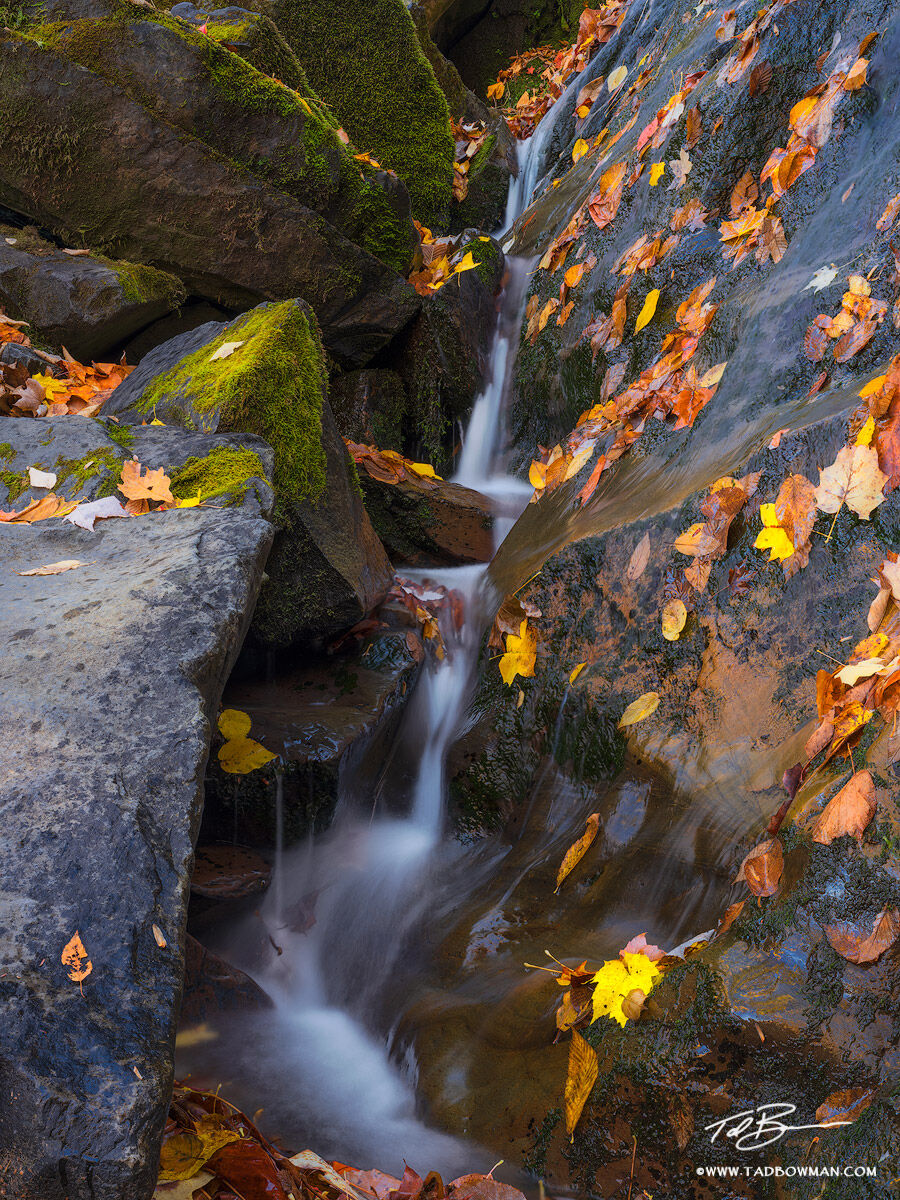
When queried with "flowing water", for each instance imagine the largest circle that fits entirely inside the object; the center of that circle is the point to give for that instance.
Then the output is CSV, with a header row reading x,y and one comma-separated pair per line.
x,y
322,1060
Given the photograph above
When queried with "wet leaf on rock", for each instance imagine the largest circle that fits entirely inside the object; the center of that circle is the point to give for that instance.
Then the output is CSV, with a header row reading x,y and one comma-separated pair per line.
x,y
583,1070
762,868
577,850
843,1107
858,944
638,709
849,812
75,959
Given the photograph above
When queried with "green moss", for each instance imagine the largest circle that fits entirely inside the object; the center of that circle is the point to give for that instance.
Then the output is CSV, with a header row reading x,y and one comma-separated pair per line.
x,y
386,98
7,452
271,385
140,283
122,435
225,473
15,484
489,257
258,42
73,473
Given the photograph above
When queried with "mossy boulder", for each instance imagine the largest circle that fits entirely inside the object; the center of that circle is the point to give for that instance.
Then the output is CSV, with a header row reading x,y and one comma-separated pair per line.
x,y
365,61
370,407
280,131
265,373
170,199
87,303
254,37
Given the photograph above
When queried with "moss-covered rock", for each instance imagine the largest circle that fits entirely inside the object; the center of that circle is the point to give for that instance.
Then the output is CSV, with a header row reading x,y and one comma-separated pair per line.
x,y
366,63
281,131
172,200
87,303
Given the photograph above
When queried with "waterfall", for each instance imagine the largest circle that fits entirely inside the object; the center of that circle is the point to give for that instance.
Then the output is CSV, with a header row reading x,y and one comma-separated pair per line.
x,y
325,1074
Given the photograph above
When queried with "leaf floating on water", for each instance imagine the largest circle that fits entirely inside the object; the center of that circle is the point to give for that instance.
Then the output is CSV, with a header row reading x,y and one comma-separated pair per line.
x,y
74,958
638,709
849,812
583,1069
240,754
858,945
577,850
646,314
761,869
821,279
674,617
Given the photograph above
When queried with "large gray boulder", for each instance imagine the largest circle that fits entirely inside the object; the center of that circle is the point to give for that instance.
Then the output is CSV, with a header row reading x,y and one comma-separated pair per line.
x,y
110,679
85,302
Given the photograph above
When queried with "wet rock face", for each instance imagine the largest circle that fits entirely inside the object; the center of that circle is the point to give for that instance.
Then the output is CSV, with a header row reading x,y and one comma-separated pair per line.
x,y
430,524
106,696
85,303
173,200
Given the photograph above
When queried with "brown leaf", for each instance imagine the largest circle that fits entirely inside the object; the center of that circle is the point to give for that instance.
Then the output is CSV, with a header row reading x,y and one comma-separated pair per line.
x,y
889,216
850,811
582,1075
744,194
858,945
693,127
729,916
152,485
577,850
795,507
761,869
760,78
639,558
854,340
845,1105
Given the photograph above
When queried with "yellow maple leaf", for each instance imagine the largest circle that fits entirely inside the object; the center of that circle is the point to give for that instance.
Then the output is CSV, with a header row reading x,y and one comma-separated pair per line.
x,y
52,386
772,537
466,263
520,656
619,977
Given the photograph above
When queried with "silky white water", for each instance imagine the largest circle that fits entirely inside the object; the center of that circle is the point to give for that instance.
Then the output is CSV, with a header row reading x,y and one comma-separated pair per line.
x,y
348,911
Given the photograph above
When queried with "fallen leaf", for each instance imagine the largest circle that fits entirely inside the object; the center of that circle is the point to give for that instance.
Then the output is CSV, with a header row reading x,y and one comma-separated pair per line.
x,y
577,850
246,1167
729,916
84,515
889,216
858,945
821,279
579,150
853,478
520,656
772,537
617,78
617,980
243,755
795,509
159,937
576,671
74,958
657,170
843,1107
681,168
762,868
41,479
151,485
56,568
849,812
580,1080
646,313
638,709
674,617
640,556
225,350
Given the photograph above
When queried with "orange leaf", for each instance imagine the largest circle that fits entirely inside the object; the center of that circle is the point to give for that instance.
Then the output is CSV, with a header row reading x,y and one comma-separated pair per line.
x,y
577,850
762,868
152,485
850,811
74,957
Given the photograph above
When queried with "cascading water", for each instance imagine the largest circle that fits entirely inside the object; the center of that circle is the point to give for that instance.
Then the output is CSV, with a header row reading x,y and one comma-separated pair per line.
x,y
328,1078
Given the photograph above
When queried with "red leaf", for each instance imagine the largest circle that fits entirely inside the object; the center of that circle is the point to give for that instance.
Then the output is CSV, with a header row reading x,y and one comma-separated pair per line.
x,y
247,1168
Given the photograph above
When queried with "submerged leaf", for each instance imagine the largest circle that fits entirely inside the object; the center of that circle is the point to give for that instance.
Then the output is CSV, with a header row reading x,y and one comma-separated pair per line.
x,y
582,1075
646,313
638,709
577,850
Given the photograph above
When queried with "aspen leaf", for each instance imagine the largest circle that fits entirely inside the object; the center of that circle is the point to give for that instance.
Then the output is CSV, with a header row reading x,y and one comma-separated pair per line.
x,y
243,755
576,671
674,617
854,479
579,150
646,313
520,656
185,1152
233,724
74,958
577,850
849,812
638,709
617,78
582,1075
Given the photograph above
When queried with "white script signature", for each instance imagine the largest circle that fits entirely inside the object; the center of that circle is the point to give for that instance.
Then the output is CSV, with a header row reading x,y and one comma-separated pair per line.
x,y
757,1127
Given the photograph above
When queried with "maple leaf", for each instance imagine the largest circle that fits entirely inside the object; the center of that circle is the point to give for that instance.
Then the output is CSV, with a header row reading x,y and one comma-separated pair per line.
x,y
520,656
151,485
617,979
849,812
681,168
853,478
744,194
578,849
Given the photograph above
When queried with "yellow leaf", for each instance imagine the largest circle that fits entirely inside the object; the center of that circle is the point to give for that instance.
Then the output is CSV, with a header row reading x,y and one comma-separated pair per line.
x,y
646,313
191,502
520,656
537,475
714,375
234,724
495,90
577,850
576,671
617,78
156,421
638,709
466,263
184,1153
243,755
873,386
772,537
574,274
864,437
579,150
583,1069
619,977
674,616
426,470
657,170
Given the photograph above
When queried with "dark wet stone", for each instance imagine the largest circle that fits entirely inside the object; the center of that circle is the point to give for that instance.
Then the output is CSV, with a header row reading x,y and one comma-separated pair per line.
x,y
430,523
213,986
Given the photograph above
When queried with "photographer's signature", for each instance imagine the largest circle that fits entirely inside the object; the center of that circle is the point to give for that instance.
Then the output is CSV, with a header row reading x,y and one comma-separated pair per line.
x,y
757,1127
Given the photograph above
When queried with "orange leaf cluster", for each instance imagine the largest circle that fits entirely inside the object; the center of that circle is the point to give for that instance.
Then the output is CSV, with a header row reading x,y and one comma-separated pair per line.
x,y
469,138
50,505
442,261
851,329
389,466
708,540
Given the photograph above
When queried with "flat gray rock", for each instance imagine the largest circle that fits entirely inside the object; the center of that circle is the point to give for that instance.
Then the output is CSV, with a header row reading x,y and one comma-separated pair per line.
x,y
111,675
